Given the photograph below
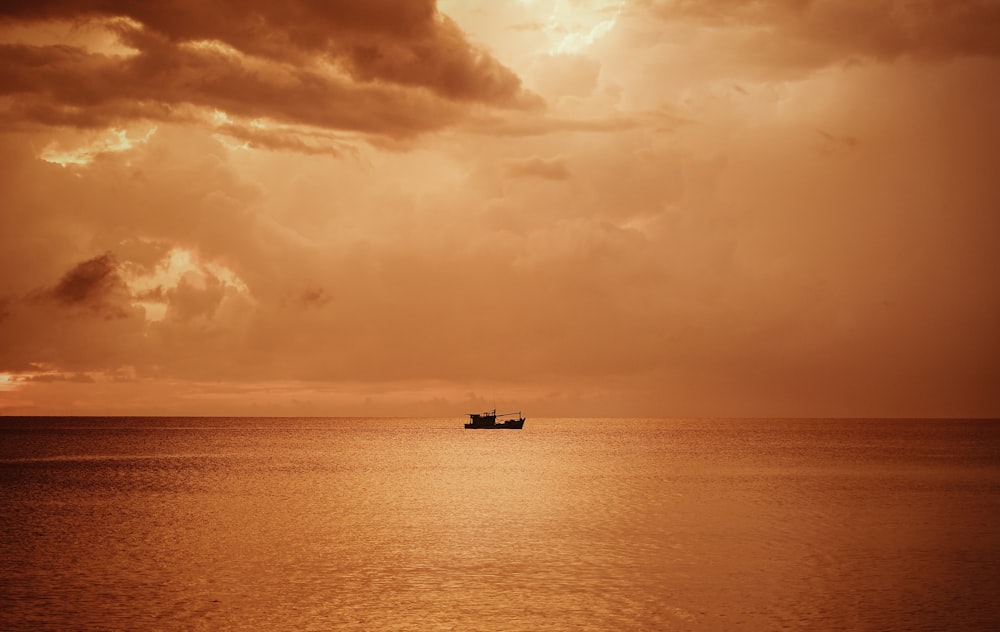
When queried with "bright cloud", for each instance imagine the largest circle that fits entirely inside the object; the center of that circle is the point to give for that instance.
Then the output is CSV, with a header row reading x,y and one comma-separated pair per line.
x,y
151,288
111,141
577,26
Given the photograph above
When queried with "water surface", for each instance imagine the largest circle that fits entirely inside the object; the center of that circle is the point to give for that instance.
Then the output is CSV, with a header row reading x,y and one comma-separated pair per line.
x,y
418,524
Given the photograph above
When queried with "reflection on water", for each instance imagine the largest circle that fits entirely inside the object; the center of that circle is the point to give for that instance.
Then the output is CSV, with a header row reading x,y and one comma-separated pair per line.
x,y
182,524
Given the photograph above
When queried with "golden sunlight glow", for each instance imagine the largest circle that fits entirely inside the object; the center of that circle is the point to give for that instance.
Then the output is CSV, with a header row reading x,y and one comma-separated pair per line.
x,y
240,134
536,27
579,25
229,143
114,140
213,46
179,265
220,118
14,381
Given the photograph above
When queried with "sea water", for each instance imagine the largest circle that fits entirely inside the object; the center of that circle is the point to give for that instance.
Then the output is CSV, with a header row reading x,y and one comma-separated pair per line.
x,y
569,524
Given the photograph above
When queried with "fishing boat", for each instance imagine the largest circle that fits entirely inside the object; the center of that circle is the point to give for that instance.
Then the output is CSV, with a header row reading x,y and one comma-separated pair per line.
x,y
488,420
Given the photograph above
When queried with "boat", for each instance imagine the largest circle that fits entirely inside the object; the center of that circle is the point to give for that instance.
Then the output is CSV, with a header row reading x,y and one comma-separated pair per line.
x,y
488,421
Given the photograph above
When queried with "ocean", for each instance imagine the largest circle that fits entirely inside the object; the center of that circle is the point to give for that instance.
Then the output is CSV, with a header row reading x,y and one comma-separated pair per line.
x,y
569,524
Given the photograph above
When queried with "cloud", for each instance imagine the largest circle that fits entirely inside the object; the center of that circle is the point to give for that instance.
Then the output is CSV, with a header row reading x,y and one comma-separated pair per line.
x,y
392,67
823,32
527,26
546,168
114,141
88,281
301,140
542,124
94,284
82,378
658,235
832,143
180,285
314,297
565,74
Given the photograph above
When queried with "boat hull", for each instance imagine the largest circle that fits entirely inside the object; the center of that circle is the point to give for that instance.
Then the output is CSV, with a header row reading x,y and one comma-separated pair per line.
x,y
512,424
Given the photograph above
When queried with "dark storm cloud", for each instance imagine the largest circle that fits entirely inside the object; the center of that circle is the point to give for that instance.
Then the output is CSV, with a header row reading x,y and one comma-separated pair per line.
x,y
89,90
88,282
391,67
93,285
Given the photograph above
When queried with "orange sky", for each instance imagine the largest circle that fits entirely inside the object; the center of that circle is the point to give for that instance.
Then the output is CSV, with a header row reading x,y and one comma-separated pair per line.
x,y
568,207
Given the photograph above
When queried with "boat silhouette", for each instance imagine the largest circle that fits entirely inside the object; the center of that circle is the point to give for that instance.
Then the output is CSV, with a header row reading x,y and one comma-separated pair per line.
x,y
488,421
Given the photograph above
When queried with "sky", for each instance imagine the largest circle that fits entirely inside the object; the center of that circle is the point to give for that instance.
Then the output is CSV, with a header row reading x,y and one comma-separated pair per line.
x,y
669,208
